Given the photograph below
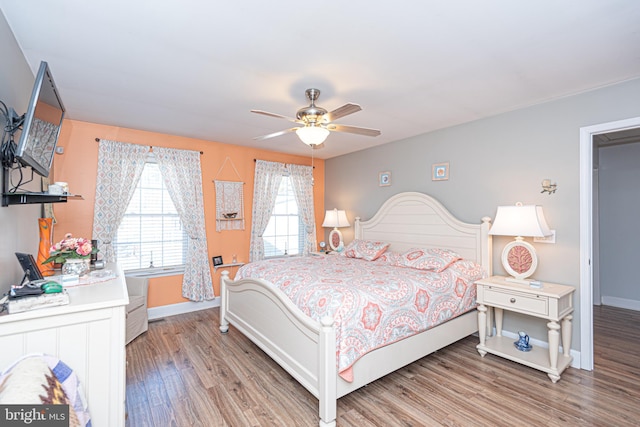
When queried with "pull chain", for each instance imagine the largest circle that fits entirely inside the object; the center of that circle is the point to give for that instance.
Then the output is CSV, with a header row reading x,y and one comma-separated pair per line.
x,y
312,166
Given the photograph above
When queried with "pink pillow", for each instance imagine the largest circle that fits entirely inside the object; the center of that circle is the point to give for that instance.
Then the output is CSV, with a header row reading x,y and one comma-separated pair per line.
x,y
428,259
365,249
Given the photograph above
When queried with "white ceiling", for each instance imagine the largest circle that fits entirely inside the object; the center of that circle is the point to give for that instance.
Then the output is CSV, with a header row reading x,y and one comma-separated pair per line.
x,y
197,67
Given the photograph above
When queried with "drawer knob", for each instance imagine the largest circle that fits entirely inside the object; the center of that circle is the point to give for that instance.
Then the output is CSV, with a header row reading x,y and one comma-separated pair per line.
x,y
512,300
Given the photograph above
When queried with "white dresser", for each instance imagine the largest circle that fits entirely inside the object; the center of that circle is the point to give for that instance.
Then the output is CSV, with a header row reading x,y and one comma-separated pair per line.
x,y
88,335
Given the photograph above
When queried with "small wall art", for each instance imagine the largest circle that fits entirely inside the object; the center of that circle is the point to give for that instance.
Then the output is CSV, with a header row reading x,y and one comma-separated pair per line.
x,y
440,171
384,179
217,260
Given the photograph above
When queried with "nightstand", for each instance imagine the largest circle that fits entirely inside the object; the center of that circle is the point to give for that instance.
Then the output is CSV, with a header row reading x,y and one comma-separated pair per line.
x,y
552,302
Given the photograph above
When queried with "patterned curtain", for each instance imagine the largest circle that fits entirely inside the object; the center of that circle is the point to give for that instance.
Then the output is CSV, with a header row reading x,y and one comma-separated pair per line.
x,y
182,176
267,180
302,181
119,168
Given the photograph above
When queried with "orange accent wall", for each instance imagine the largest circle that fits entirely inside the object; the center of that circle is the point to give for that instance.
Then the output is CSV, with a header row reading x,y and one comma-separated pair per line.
x,y
78,166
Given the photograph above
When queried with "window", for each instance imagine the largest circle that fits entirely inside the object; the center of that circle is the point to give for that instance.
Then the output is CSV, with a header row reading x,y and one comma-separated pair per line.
x,y
151,234
283,235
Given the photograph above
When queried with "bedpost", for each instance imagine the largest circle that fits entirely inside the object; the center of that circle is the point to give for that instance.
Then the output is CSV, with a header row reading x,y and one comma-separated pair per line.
x,y
487,245
328,372
224,325
357,228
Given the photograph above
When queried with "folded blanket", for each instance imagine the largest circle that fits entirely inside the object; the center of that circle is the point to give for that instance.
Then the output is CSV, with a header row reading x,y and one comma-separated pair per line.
x,y
40,379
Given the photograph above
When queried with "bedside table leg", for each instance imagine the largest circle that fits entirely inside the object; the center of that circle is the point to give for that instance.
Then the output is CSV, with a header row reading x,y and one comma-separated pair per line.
x,y
490,321
554,344
497,312
482,327
566,335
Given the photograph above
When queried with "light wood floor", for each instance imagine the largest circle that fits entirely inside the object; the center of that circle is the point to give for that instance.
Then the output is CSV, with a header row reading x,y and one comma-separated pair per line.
x,y
183,372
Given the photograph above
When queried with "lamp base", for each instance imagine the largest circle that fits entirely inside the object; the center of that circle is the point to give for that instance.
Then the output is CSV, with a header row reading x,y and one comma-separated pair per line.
x,y
335,239
519,260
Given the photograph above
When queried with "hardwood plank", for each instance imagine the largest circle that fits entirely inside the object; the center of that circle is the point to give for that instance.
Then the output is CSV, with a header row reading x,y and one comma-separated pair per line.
x,y
137,406
183,372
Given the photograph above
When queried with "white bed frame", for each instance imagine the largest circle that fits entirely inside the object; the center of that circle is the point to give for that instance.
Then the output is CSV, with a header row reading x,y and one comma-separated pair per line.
x,y
307,349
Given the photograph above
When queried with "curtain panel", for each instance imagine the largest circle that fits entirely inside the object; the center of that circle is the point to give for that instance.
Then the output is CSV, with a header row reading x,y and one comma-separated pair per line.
x,y
302,180
267,180
120,166
268,177
182,175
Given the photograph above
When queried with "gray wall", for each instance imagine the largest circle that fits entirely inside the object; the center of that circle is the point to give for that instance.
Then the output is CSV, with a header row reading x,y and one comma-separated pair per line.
x,y
494,161
18,224
619,212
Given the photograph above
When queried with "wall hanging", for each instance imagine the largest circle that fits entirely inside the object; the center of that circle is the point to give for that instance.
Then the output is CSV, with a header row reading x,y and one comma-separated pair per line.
x,y
229,201
440,171
384,179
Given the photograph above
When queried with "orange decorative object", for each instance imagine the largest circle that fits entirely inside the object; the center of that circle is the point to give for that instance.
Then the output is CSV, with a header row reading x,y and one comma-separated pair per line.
x,y
46,235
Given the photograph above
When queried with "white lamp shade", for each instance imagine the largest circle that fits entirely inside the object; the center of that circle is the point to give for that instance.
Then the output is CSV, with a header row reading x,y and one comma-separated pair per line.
x,y
335,218
520,220
312,135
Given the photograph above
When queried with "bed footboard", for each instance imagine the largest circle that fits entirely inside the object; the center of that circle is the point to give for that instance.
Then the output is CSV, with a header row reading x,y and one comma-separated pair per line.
x,y
303,347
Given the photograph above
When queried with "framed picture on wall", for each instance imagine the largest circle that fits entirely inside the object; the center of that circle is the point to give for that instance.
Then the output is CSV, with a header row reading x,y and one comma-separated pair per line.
x,y
217,260
384,179
440,171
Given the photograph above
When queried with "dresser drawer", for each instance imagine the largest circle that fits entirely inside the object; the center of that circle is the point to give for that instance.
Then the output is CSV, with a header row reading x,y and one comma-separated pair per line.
x,y
514,301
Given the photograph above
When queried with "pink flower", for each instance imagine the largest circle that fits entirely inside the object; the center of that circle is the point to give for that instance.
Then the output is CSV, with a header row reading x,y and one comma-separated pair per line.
x,y
84,247
69,248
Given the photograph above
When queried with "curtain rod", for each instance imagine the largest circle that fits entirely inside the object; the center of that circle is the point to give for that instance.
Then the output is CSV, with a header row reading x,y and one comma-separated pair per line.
x,y
255,160
151,146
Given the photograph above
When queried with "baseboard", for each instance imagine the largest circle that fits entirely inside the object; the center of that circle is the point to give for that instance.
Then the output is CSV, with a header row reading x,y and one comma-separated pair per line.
x,y
181,308
629,304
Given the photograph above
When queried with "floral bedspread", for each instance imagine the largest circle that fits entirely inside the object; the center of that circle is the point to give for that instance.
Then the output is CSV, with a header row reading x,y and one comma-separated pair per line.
x,y
372,302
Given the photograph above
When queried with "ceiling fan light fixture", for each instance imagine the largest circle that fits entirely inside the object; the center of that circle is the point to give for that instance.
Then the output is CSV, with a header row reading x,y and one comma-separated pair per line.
x,y
312,135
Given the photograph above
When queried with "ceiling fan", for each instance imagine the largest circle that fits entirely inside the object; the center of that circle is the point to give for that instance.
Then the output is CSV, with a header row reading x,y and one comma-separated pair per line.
x,y
315,123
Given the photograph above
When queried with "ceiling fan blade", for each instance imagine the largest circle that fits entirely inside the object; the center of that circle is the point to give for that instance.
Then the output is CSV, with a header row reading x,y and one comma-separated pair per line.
x,y
273,135
278,116
339,112
353,129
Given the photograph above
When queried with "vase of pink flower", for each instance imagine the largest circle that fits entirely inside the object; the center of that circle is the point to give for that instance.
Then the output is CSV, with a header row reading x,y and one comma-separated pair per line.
x,y
73,253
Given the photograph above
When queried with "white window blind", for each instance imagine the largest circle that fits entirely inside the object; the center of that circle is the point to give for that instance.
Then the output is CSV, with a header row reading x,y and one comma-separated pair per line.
x,y
151,234
283,235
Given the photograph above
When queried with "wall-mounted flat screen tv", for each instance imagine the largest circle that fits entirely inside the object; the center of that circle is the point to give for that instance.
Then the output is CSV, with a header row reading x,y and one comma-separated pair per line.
x,y
42,123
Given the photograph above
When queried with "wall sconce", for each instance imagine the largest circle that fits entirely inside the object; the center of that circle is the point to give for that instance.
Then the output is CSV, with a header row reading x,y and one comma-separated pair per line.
x,y
548,187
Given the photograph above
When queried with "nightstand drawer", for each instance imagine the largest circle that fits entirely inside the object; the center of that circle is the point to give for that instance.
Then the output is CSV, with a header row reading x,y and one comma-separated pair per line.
x,y
524,303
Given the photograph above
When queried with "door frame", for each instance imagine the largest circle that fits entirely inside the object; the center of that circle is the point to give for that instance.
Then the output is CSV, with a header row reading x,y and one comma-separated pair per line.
x,y
586,231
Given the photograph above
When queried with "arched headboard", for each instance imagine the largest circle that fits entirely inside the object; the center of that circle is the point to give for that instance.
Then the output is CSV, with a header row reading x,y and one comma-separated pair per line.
x,y
411,219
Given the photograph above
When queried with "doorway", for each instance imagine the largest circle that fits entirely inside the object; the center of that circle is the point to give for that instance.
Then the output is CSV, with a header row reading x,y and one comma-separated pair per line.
x,y
588,254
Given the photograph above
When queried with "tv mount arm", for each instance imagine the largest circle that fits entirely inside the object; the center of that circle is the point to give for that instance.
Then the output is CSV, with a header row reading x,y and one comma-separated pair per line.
x,y
12,122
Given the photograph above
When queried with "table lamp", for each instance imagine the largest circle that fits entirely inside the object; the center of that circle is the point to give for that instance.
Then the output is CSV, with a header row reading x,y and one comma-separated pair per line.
x,y
519,257
335,218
